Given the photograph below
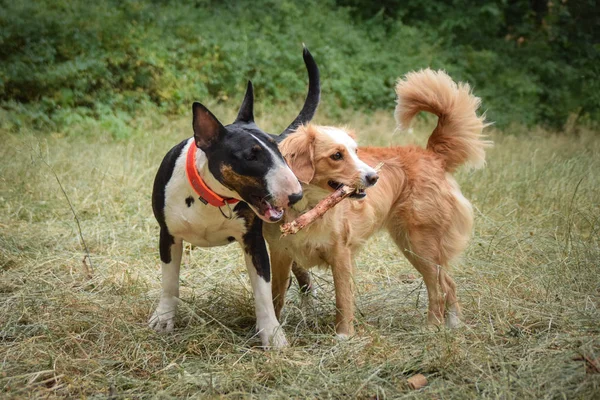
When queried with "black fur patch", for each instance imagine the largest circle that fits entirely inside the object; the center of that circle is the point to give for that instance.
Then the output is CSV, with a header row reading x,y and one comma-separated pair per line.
x,y
189,201
254,243
165,242
165,171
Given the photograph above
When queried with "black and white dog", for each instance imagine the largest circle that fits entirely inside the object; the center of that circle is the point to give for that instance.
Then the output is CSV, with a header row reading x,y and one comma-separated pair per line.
x,y
218,187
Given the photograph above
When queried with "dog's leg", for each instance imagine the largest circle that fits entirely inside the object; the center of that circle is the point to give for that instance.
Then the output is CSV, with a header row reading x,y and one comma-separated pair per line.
x,y
341,267
423,252
452,305
269,330
259,269
171,249
280,267
433,276
303,278
308,292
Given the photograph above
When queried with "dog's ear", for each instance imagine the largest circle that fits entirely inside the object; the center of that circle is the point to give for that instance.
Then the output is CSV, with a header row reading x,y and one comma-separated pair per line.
x,y
207,128
298,149
246,113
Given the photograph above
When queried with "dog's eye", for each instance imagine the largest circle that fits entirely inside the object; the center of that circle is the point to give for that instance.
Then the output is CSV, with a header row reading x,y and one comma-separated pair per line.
x,y
337,156
252,155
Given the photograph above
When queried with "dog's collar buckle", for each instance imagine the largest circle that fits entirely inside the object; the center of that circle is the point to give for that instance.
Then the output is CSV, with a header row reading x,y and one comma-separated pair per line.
x,y
205,194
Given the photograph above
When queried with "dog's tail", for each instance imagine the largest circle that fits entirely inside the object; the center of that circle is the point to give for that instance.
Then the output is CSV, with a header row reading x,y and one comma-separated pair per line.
x,y
457,139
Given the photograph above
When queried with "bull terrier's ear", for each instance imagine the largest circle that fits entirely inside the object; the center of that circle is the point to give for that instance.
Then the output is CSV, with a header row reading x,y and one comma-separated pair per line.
x,y
207,128
246,113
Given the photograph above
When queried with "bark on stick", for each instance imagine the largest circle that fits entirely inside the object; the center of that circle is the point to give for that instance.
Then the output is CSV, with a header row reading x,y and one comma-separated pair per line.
x,y
313,214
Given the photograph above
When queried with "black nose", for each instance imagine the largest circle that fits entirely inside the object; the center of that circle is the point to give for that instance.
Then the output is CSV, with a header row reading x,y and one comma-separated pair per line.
x,y
294,198
371,178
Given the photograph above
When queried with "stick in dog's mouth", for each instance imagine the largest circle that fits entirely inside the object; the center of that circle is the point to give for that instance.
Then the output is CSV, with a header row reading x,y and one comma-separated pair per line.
x,y
358,193
313,214
342,191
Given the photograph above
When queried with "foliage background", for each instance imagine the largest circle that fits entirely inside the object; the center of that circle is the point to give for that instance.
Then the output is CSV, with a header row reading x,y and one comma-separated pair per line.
x,y
64,63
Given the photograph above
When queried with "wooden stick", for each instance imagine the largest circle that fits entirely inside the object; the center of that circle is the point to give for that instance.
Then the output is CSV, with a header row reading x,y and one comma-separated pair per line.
x,y
321,208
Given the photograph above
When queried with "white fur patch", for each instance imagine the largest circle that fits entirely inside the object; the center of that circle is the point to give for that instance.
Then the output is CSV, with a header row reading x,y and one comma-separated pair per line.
x,y
281,181
201,225
269,330
163,318
341,137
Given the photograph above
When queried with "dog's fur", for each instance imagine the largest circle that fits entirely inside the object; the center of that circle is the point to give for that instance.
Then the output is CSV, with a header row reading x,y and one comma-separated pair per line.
x,y
416,199
237,161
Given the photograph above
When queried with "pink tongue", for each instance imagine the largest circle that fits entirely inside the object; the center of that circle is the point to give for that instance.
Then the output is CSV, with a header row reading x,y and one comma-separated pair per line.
x,y
273,214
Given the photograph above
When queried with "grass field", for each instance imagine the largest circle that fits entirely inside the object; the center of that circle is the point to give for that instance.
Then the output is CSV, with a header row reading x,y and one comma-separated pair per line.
x,y
529,282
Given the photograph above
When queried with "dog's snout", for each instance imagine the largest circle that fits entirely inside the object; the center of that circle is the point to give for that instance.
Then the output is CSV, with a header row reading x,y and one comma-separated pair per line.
x,y
294,198
371,178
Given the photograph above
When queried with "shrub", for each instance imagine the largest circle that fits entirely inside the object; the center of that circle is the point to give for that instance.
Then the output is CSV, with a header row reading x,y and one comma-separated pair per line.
x,y
92,59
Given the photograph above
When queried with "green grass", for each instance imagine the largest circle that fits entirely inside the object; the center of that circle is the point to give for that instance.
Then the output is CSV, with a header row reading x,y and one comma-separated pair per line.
x,y
529,282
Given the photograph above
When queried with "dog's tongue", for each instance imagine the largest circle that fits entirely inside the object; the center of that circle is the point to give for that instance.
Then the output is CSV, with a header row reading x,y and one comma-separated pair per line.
x,y
274,214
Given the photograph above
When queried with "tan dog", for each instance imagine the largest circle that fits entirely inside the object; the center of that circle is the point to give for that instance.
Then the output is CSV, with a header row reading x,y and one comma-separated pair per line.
x,y
416,199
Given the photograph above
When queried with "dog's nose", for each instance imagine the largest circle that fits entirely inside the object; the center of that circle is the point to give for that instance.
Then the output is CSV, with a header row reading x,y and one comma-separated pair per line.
x,y
294,198
371,178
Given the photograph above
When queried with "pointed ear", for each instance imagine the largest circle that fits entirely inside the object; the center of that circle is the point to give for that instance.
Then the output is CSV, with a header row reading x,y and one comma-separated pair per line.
x,y
298,149
207,128
246,113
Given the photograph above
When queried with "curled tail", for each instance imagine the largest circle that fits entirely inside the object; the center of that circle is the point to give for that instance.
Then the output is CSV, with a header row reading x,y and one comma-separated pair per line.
x,y
457,138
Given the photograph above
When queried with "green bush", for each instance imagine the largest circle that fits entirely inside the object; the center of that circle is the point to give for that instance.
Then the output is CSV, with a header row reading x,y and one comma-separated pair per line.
x,y
533,61
64,60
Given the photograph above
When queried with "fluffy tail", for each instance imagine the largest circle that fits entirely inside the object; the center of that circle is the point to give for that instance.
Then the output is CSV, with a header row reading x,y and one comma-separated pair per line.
x,y
457,139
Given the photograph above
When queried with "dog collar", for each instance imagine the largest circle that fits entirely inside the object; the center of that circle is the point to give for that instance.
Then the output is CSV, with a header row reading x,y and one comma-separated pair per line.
x,y
206,195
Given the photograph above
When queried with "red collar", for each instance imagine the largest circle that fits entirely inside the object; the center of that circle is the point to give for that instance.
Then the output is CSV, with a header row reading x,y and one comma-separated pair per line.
x,y
207,196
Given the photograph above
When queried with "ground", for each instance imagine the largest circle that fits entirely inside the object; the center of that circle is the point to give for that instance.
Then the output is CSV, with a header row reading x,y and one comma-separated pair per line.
x,y
529,282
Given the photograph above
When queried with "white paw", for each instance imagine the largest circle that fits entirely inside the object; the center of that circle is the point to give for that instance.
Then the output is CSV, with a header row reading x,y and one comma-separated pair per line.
x,y
163,318
273,338
452,320
342,337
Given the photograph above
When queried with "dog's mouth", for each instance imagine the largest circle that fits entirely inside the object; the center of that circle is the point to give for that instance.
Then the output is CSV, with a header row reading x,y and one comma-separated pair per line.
x,y
267,211
359,193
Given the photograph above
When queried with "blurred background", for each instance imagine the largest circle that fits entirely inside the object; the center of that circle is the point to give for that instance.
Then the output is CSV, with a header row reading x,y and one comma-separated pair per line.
x,y
65,62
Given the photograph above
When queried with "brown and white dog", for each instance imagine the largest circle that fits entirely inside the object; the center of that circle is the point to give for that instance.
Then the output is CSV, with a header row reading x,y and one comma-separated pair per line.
x,y
416,198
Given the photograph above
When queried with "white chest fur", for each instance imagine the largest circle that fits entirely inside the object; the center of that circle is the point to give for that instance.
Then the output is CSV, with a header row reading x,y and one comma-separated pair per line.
x,y
188,218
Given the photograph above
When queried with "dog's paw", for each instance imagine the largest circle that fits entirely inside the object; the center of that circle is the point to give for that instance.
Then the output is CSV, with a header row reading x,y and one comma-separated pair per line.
x,y
163,318
162,322
308,298
307,301
452,320
273,338
344,331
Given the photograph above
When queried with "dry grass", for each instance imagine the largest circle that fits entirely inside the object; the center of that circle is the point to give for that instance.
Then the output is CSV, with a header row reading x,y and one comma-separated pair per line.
x,y
529,284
